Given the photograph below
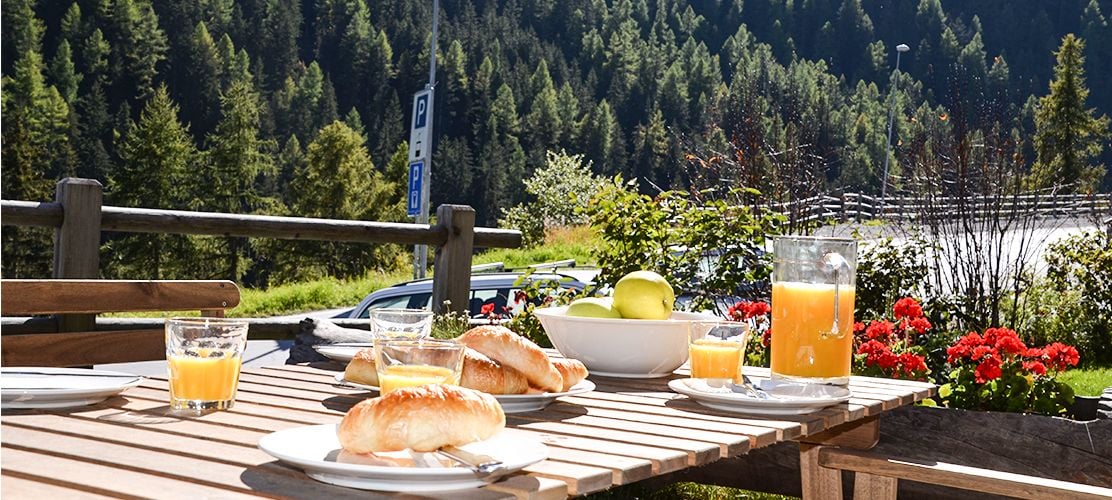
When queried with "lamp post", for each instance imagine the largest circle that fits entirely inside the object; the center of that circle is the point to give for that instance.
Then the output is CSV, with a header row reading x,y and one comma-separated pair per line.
x,y
900,49
421,252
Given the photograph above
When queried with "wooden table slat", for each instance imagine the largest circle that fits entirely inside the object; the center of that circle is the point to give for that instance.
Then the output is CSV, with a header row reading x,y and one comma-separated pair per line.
x,y
625,431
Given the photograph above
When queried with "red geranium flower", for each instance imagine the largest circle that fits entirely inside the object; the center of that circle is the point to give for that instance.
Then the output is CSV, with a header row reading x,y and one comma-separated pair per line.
x,y
487,309
879,330
766,338
921,325
757,309
1059,356
1011,345
989,369
983,351
1036,367
908,307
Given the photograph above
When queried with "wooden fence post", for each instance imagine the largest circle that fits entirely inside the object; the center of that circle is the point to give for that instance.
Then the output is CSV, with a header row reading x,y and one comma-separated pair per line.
x,y
451,278
77,240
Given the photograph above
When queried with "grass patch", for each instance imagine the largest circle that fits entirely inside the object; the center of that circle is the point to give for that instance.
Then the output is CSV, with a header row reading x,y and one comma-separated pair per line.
x,y
329,293
1088,381
683,491
577,243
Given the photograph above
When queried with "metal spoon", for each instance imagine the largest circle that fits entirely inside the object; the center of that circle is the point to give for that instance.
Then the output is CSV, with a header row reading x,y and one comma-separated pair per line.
x,y
748,388
482,465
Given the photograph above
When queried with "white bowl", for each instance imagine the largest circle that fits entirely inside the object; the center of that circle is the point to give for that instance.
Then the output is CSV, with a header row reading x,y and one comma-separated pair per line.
x,y
629,348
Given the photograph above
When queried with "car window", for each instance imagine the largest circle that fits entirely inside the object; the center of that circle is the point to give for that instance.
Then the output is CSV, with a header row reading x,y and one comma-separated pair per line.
x,y
482,297
409,301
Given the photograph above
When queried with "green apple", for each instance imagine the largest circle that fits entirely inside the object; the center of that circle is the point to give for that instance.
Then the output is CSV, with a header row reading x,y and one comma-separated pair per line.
x,y
644,295
593,307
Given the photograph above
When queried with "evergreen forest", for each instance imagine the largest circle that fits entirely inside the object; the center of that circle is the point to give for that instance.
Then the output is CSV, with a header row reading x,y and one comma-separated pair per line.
x,y
302,108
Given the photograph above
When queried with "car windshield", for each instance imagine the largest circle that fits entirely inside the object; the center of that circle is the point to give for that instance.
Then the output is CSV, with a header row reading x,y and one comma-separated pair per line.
x,y
500,299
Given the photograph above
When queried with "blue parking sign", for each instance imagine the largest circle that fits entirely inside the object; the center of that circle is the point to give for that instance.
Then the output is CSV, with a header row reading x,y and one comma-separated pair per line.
x,y
416,171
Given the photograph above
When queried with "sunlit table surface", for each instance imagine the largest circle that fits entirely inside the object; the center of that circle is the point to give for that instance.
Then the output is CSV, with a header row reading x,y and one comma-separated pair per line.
x,y
626,430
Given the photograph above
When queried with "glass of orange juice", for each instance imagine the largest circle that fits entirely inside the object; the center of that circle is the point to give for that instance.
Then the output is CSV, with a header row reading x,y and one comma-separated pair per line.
x,y
716,350
813,292
204,356
412,362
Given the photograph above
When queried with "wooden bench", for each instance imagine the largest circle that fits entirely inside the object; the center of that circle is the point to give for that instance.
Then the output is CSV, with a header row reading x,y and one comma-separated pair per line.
x,y
876,477
75,339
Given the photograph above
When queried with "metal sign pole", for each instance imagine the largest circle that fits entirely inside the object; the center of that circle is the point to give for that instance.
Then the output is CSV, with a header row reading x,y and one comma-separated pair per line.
x,y
421,252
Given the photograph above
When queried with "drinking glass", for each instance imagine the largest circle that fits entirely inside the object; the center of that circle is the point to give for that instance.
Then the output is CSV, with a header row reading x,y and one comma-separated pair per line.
x,y
716,349
204,356
813,292
413,362
400,323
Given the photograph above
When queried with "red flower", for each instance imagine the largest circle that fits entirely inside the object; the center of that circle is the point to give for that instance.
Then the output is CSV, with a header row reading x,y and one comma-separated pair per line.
x,y
921,325
1011,345
989,369
858,328
766,338
1036,367
983,351
487,309
964,347
908,307
912,363
744,310
520,296
879,330
1059,356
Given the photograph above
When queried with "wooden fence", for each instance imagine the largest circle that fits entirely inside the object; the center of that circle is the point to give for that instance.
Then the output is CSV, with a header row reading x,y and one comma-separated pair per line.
x,y
79,217
857,207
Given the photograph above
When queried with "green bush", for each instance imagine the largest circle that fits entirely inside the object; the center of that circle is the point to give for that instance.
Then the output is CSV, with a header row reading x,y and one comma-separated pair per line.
x,y
705,250
1077,299
558,189
888,271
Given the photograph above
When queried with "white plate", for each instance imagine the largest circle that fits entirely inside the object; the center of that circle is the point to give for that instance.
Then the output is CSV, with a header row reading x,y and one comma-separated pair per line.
x,y
341,352
789,399
40,387
314,449
511,403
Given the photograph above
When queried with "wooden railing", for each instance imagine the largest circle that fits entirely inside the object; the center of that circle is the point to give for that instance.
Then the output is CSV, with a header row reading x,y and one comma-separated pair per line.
x,y
79,217
856,207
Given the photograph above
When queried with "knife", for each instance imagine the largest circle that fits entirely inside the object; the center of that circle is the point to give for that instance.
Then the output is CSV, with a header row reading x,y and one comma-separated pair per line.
x,y
483,465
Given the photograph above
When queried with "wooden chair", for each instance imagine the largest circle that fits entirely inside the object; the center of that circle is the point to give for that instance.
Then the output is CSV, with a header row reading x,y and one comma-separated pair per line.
x,y
876,477
75,339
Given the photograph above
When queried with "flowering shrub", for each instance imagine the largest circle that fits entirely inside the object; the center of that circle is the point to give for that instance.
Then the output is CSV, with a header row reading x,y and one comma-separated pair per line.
x,y
893,349
756,315
997,371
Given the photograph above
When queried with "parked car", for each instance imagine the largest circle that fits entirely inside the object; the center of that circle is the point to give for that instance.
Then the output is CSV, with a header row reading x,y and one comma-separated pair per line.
x,y
486,288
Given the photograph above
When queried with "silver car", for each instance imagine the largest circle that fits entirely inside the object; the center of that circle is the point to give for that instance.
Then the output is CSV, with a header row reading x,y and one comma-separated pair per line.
x,y
494,290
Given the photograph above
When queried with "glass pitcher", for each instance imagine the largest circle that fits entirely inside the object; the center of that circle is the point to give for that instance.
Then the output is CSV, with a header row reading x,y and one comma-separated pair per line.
x,y
813,290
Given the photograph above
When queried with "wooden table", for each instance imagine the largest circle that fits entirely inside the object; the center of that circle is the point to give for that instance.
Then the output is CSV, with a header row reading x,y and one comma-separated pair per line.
x,y
623,432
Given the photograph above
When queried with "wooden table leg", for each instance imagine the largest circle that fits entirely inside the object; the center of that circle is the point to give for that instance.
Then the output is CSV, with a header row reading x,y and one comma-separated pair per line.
x,y
821,483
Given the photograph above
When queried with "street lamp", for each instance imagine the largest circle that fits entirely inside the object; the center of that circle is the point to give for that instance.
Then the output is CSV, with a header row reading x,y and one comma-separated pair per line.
x,y
421,252
900,49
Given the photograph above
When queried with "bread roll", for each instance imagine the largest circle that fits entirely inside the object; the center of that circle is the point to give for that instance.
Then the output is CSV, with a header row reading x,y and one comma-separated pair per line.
x,y
484,374
572,370
422,418
361,368
510,349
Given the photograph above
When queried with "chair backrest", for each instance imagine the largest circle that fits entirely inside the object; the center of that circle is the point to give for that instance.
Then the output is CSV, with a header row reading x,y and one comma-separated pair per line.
x,y
93,345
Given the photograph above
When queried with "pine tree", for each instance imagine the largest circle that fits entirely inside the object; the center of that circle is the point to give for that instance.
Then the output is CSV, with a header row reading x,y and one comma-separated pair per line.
x,y
63,75
157,170
200,89
338,181
1068,135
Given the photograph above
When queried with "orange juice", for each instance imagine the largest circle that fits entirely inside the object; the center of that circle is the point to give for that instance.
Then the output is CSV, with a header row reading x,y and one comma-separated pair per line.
x,y
714,358
398,376
203,379
802,342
